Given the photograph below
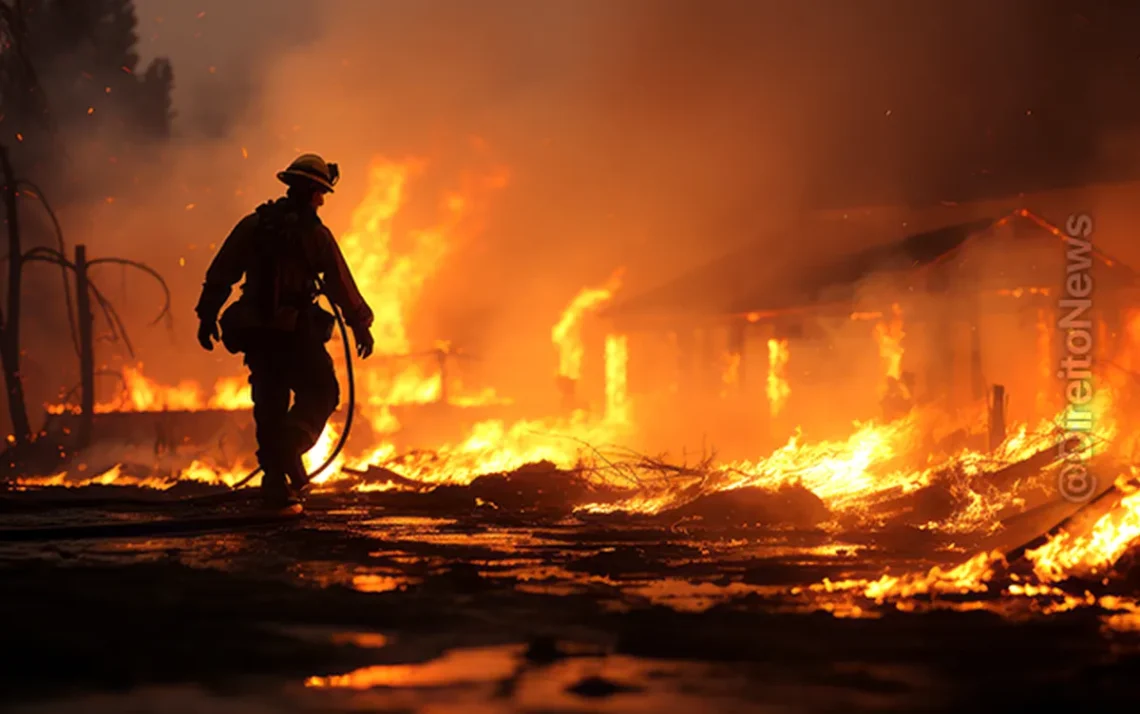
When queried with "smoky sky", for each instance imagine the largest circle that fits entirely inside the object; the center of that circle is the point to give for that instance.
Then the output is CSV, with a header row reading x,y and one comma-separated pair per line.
x,y
721,103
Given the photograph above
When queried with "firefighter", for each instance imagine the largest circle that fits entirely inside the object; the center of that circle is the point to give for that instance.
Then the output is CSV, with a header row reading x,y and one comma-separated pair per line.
x,y
287,256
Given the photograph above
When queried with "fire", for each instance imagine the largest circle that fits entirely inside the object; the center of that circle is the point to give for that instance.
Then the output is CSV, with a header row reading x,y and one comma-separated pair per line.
x,y
320,452
730,376
968,577
857,476
143,394
1093,552
494,446
392,283
778,389
889,334
843,473
617,398
197,471
567,333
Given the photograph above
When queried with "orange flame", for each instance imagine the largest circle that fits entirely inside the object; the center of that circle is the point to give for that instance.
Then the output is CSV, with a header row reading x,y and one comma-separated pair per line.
x,y
567,333
617,398
889,334
778,389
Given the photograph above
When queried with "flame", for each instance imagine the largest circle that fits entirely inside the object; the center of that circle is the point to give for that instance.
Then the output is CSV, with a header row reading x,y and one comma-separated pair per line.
x,y
878,461
567,333
617,398
778,389
320,452
1094,552
968,577
197,471
730,376
889,334
143,394
392,283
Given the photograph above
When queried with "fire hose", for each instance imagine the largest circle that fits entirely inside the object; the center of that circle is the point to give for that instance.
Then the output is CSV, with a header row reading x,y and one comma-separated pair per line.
x,y
197,525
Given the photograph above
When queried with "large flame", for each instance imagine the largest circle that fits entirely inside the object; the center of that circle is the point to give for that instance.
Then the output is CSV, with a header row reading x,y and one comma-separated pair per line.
x,y
617,396
567,332
140,393
1090,553
778,389
889,334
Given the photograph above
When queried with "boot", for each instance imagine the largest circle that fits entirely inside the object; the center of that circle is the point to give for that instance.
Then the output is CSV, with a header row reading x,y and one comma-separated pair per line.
x,y
298,477
275,492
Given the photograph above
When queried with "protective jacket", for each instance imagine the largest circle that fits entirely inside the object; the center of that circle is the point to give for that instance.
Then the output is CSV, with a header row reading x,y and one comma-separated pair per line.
x,y
282,249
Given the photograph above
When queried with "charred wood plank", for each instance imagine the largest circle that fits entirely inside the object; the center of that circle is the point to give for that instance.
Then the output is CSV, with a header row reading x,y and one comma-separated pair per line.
x,y
1006,477
1090,511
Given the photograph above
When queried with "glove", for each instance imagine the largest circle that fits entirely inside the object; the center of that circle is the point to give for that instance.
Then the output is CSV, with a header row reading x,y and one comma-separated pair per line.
x,y
364,341
207,333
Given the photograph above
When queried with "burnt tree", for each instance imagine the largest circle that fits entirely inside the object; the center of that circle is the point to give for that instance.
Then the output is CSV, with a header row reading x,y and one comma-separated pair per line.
x,y
10,318
88,49
18,259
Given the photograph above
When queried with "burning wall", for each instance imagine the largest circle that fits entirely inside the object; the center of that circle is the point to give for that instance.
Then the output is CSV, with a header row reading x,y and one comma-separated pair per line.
x,y
972,313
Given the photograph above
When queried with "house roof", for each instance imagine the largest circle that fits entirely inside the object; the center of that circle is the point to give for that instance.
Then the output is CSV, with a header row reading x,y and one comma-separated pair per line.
x,y
748,282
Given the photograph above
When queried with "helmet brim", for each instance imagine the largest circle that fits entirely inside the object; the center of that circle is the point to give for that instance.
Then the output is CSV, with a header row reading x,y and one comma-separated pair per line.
x,y
290,177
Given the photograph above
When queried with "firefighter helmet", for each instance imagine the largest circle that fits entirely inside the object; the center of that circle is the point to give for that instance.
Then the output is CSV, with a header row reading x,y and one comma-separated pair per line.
x,y
311,168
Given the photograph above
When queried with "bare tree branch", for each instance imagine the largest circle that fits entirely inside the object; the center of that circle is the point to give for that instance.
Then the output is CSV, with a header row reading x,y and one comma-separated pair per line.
x,y
39,195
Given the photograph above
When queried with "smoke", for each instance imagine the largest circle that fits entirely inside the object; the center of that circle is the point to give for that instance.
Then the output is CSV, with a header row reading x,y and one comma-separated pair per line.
x,y
654,134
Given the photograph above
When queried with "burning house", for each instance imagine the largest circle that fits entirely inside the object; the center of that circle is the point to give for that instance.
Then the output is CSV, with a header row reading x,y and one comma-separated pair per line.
x,y
939,316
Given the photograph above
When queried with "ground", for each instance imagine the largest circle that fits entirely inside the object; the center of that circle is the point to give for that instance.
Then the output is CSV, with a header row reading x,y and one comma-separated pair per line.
x,y
384,602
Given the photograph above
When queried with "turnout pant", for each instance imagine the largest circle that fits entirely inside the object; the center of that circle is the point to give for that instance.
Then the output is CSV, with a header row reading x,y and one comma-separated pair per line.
x,y
283,367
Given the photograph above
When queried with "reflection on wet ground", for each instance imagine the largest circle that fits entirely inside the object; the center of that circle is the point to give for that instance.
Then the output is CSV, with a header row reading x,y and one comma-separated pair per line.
x,y
354,609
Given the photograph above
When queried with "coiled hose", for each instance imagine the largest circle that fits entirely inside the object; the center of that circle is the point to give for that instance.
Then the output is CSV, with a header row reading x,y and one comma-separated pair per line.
x,y
351,403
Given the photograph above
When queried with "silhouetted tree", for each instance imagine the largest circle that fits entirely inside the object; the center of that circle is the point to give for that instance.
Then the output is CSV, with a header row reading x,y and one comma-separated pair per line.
x,y
21,96
84,52
155,104
64,64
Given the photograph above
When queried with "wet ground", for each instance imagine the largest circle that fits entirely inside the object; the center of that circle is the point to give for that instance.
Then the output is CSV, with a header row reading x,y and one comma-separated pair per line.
x,y
363,606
